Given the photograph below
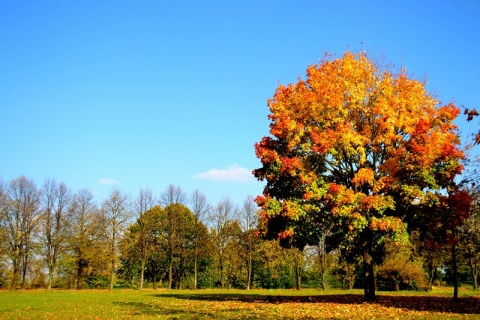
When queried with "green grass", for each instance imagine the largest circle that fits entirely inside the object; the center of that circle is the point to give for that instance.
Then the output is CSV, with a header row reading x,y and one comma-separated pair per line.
x,y
235,304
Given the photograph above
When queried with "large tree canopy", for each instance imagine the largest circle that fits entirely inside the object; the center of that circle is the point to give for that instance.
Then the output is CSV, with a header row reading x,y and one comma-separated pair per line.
x,y
350,150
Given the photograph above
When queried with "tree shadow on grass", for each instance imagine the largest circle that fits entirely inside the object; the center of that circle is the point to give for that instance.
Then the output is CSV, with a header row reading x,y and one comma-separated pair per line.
x,y
145,309
464,305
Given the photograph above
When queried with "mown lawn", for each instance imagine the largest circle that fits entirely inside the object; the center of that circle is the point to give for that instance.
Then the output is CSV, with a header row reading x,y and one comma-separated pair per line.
x,y
235,304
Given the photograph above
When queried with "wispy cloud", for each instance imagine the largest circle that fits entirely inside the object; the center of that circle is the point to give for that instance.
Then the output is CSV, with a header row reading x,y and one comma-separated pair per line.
x,y
108,181
234,173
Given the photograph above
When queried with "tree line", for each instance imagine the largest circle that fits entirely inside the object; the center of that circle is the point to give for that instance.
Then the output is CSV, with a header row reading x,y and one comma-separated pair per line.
x,y
52,237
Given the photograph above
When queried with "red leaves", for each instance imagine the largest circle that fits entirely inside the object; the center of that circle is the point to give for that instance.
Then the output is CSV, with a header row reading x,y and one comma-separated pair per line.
x,y
334,189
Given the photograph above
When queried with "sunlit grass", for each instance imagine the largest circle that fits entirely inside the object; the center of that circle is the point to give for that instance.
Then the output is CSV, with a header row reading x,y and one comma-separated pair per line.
x,y
234,304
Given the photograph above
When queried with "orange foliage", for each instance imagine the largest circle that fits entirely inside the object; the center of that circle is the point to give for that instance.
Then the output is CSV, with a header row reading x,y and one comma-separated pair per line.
x,y
354,139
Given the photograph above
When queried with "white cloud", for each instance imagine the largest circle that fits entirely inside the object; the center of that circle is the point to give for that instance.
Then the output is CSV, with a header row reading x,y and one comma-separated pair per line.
x,y
234,173
108,181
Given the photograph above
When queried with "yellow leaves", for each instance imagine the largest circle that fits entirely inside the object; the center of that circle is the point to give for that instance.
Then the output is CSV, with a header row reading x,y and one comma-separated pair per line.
x,y
364,176
379,203
387,224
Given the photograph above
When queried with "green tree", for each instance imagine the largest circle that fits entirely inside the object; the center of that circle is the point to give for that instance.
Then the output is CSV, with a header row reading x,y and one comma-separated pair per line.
x,y
172,198
354,145
144,202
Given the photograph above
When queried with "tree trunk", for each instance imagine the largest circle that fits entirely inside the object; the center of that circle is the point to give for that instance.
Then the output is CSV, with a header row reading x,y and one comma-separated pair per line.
x,y
249,270
298,270
144,257
170,270
142,273
50,277
16,273
78,276
474,269
154,278
368,269
112,275
195,272
455,272
222,277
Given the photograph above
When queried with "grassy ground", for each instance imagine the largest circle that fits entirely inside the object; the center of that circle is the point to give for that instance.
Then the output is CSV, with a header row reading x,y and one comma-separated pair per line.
x,y
235,304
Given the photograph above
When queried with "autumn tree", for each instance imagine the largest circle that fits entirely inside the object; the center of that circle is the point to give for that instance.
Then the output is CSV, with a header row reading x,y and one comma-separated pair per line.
x,y
143,246
53,223
200,208
440,225
20,220
84,236
355,144
173,200
469,237
144,202
116,212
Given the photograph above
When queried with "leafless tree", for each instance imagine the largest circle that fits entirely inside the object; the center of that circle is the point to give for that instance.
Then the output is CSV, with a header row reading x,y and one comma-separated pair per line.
x,y
200,208
173,195
55,199
20,219
117,213
221,218
248,220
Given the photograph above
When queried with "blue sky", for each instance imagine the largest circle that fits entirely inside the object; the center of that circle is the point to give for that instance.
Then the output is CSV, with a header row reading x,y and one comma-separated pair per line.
x,y
134,94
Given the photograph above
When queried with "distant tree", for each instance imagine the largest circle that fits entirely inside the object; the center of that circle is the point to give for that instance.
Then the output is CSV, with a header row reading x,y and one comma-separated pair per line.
x,y
469,237
53,223
174,199
440,225
222,223
85,236
200,209
20,219
355,144
400,270
3,234
140,247
144,202
116,211
180,234
173,195
248,220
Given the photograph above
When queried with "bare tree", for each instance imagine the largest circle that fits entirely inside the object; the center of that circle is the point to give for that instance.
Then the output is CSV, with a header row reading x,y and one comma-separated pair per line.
x,y
143,203
117,213
173,195
3,216
221,219
200,208
248,220
55,201
20,220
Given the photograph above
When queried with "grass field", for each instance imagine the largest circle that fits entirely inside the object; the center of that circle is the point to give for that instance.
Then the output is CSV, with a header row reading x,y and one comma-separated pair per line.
x,y
235,304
